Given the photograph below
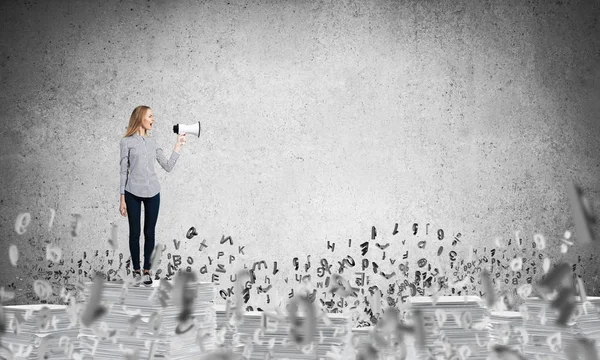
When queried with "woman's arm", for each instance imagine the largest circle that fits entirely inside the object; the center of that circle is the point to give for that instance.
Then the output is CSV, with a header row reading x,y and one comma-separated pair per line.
x,y
124,165
162,160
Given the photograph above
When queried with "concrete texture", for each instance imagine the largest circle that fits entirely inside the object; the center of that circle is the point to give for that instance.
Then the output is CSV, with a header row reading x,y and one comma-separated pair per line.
x,y
319,121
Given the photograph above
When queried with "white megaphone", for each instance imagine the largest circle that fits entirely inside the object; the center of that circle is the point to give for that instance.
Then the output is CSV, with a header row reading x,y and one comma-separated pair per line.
x,y
187,129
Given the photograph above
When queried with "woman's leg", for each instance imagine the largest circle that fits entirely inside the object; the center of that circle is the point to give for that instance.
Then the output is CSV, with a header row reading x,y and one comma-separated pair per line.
x,y
134,209
151,207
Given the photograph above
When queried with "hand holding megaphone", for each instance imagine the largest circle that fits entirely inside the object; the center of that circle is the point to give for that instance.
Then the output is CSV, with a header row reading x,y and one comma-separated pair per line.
x,y
180,142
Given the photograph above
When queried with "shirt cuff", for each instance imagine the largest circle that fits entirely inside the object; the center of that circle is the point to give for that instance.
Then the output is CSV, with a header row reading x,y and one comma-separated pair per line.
x,y
174,155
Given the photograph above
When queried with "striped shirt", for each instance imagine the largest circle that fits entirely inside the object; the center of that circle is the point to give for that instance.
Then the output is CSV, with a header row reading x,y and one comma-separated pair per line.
x,y
137,155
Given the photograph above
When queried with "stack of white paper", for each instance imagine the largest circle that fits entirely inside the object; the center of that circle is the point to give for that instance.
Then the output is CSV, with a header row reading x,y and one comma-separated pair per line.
x,y
595,300
545,337
226,327
258,336
505,329
360,340
39,331
587,320
145,321
364,339
453,327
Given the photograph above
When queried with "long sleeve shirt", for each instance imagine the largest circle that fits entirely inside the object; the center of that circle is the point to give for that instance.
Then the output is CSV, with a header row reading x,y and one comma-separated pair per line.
x,y
137,165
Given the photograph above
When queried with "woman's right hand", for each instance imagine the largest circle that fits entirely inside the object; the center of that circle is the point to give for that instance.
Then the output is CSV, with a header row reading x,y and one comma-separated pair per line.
x,y
180,142
123,207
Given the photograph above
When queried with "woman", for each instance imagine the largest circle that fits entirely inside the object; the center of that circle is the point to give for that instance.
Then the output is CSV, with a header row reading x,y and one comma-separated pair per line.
x,y
140,184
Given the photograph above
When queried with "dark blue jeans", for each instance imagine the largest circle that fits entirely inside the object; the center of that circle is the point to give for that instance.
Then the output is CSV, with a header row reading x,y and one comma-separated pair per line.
x,y
134,209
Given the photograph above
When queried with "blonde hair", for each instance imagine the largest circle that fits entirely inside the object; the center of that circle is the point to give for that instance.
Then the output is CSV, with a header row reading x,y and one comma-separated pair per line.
x,y
135,121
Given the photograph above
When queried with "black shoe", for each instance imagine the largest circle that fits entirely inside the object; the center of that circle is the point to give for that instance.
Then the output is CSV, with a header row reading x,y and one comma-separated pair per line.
x,y
137,278
147,279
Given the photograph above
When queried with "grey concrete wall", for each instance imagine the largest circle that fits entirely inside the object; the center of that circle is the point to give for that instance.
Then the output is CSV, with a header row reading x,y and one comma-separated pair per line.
x,y
320,121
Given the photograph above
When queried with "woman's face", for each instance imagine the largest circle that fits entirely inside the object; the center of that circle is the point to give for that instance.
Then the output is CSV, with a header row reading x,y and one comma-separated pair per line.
x,y
148,120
